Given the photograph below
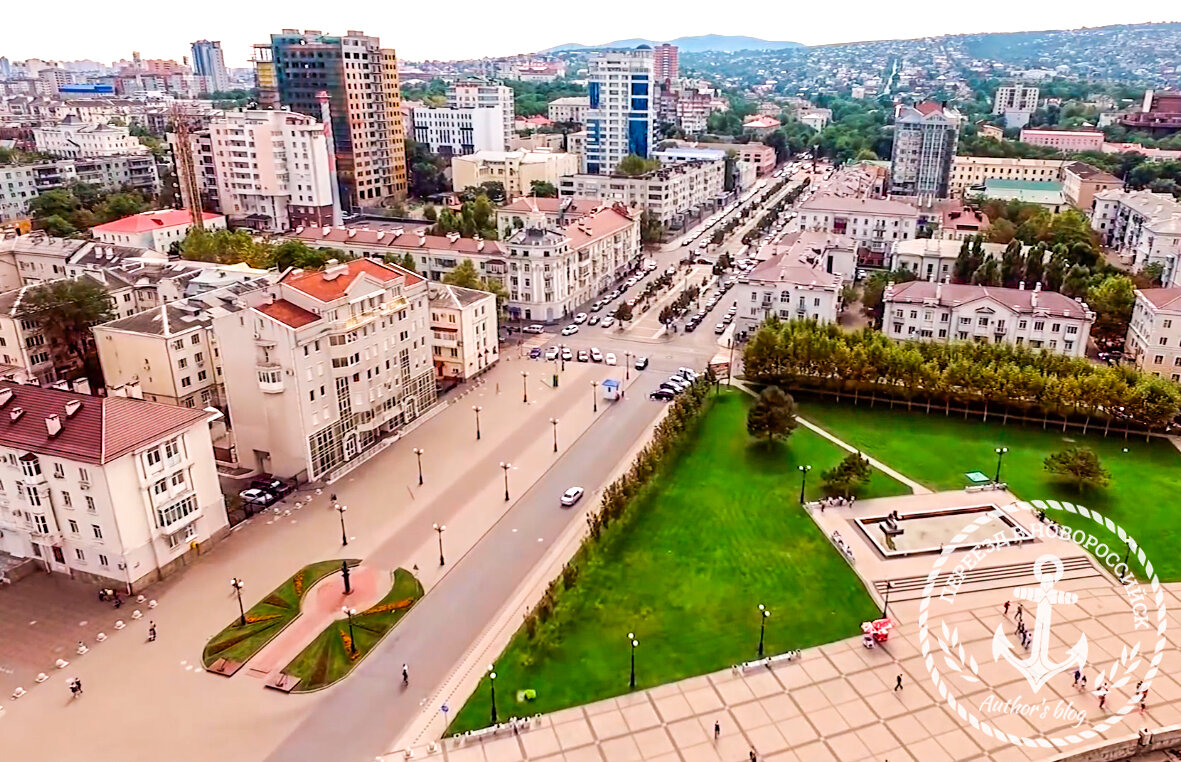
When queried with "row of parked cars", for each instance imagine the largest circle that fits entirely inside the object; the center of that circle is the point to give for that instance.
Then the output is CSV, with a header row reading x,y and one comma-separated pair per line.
x,y
265,492
676,383
710,303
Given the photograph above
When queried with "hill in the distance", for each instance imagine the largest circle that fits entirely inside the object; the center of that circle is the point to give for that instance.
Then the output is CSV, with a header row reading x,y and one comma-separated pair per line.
x,y
699,44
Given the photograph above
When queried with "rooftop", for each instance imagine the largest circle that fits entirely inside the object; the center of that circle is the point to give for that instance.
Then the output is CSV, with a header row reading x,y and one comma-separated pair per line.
x,y
455,297
1091,174
1029,191
827,203
288,313
1162,298
1020,300
333,282
399,238
184,315
99,430
148,221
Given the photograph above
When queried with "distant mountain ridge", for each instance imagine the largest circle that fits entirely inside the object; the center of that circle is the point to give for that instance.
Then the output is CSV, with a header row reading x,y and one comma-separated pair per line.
x,y
699,44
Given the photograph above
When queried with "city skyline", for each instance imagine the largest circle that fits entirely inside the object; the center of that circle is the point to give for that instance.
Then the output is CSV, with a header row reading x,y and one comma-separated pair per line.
x,y
503,36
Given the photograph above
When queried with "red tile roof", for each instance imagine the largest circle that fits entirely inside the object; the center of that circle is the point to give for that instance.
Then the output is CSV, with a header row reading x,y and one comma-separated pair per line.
x,y
602,222
1022,301
321,285
289,314
147,221
101,430
927,108
1162,298
408,240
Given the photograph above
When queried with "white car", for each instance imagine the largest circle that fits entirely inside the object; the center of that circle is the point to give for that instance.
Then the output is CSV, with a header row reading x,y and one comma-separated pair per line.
x,y
720,328
607,322
551,353
535,328
610,358
580,318
570,330
596,355
572,496
567,355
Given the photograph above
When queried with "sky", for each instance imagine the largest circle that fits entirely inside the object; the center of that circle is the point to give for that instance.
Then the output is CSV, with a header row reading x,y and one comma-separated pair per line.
x,y
82,29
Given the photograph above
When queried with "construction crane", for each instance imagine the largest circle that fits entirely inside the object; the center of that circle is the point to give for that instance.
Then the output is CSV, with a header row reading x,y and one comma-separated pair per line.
x,y
186,167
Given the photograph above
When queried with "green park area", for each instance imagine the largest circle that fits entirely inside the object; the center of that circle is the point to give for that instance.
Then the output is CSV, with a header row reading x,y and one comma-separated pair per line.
x,y
264,620
339,648
937,451
717,532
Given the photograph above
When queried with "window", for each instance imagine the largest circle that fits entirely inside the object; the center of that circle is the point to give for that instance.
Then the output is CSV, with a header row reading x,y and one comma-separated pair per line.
x,y
178,479
1021,324
98,531
1072,329
153,458
83,475
1164,342
102,560
914,314
184,535
73,526
90,504
160,487
42,524
176,511
982,321
182,363
1168,324
1039,325
197,358
67,501
201,375
171,449
178,344
1158,359
81,555
59,471
186,382
196,339
1055,327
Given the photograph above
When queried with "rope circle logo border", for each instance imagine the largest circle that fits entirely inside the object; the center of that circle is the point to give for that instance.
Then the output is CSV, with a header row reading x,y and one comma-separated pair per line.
x,y
942,684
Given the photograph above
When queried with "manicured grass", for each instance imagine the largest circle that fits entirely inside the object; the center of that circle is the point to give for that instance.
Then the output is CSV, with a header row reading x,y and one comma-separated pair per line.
x,y
936,451
268,617
328,658
719,532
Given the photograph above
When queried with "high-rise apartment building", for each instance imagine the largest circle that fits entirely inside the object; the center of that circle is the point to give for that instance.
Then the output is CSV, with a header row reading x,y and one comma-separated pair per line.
x,y
475,93
622,113
664,60
209,62
266,170
361,79
1015,98
925,138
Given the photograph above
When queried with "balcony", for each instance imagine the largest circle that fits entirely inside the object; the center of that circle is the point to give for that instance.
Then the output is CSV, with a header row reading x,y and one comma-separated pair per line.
x,y
270,378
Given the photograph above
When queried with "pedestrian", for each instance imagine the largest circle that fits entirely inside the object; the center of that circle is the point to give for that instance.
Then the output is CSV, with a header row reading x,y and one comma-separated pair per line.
x,y
753,756
405,675
898,682
1020,610
717,730
151,631
1077,674
1143,699
1102,697
1007,613
73,684
1084,682
78,685
332,498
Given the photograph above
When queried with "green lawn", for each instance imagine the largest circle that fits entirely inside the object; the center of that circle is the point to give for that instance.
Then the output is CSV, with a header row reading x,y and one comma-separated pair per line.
x,y
268,617
719,532
936,451
329,657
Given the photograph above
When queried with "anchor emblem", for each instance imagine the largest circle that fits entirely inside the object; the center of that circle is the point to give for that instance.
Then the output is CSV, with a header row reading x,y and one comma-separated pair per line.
x,y
1038,668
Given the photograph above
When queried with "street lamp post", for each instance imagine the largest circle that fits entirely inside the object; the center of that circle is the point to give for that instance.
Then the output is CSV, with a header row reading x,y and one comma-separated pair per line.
x,y
477,409
763,614
886,602
631,637
440,528
803,481
1000,453
344,537
627,365
525,385
352,640
418,451
506,467
554,421
238,584
492,690
595,395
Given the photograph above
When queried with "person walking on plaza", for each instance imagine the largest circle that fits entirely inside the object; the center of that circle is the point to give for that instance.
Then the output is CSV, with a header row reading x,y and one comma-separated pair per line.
x,y
1077,674
151,631
405,675
74,688
898,682
717,730
1006,608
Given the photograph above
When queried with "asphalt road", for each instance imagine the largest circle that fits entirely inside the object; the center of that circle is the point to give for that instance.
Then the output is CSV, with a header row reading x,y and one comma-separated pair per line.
x,y
358,718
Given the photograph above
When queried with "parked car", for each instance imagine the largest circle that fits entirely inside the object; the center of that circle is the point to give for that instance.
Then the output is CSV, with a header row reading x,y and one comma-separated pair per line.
x,y
535,353
596,355
535,328
641,363
572,496
594,320
580,318
609,358
596,306
567,355
662,394
583,355
570,330
257,498
276,487
720,328
607,322
691,326
551,353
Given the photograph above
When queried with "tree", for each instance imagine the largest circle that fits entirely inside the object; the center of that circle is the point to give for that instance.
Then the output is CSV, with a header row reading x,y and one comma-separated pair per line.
x,y
1112,300
633,165
988,273
291,253
542,189
1012,265
430,213
1079,465
56,225
651,228
425,171
623,313
848,476
772,416
228,247
464,274
405,261
65,310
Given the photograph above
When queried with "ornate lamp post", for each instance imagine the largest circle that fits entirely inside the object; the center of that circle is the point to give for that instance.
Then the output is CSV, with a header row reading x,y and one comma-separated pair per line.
x,y
506,467
352,640
631,637
492,690
440,528
477,409
1000,454
344,537
418,451
595,395
238,584
763,614
525,385
554,421
803,481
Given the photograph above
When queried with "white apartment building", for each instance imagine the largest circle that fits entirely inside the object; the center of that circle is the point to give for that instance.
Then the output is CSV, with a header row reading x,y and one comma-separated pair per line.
x,y
322,369
569,110
1154,332
465,334
925,137
971,171
875,224
801,280
551,271
169,353
460,131
558,212
79,140
117,492
933,259
670,194
1015,98
156,230
20,184
482,94
923,311
516,170
621,118
266,170
1143,227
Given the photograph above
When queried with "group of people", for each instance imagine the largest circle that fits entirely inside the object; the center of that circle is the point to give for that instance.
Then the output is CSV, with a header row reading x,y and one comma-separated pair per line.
x,y
841,546
836,501
107,594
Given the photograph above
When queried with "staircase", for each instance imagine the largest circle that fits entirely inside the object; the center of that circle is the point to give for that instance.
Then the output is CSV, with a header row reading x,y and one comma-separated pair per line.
x,y
986,578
